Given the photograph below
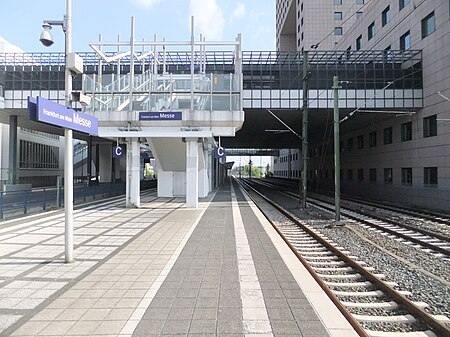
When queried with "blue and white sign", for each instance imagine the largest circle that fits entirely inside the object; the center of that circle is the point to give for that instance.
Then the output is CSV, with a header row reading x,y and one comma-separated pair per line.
x,y
219,152
56,114
118,151
161,116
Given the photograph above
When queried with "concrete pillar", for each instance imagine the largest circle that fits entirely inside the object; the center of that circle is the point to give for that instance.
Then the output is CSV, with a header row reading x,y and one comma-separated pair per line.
x,y
12,174
132,179
203,176
192,173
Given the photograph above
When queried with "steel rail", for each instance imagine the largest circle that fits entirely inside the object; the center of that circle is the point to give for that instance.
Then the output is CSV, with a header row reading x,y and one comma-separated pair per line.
x,y
440,329
407,237
347,314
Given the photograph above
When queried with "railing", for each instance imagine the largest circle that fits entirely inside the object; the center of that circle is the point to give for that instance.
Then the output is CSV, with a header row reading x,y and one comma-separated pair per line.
x,y
16,203
156,92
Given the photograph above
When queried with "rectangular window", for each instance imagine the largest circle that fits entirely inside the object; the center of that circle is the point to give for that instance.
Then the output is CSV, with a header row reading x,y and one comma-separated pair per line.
x,y
338,15
360,2
359,15
407,176
430,126
338,2
387,136
350,144
406,131
337,30
359,42
388,175
373,139
350,174
428,25
371,30
373,175
386,16
360,174
388,54
402,3
405,41
430,176
360,142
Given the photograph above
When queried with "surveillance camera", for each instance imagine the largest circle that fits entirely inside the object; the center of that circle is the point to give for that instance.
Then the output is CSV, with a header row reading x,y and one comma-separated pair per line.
x,y
46,37
84,100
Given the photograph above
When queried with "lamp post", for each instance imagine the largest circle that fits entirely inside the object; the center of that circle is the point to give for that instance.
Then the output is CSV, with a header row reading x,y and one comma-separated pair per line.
x,y
47,40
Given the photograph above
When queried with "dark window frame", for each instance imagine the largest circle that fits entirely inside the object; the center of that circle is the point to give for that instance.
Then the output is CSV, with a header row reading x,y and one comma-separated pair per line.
x,y
405,41
430,126
407,176
387,135
386,16
430,177
428,25
371,31
406,132
388,175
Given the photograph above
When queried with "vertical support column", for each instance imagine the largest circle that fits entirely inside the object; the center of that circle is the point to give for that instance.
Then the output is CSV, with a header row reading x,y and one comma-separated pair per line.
x,y
304,180
192,173
12,171
337,152
133,177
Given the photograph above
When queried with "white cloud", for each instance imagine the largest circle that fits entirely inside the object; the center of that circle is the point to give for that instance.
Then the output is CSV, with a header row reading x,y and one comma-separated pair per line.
x,y
145,3
239,10
208,18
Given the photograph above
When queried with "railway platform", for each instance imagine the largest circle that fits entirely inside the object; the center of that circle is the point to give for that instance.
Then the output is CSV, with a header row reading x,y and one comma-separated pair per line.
x,y
160,270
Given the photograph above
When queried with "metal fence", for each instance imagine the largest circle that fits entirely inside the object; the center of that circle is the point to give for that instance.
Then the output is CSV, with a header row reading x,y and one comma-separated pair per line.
x,y
16,203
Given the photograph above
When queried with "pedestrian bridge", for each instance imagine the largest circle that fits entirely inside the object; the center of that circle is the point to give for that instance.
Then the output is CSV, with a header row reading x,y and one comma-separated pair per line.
x,y
205,93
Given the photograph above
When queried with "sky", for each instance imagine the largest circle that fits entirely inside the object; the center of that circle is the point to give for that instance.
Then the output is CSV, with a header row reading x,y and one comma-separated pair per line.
x,y
217,20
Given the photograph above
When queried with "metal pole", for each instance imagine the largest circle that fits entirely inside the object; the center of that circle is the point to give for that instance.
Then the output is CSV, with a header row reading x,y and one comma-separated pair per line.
x,y
337,154
192,63
130,107
68,153
304,184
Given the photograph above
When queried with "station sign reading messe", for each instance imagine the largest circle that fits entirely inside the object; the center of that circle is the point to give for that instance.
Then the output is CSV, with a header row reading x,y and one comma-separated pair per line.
x,y
46,111
161,116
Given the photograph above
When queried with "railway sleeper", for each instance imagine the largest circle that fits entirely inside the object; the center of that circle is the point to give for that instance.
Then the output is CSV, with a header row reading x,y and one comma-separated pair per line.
x,y
317,253
375,293
427,333
405,319
355,284
326,263
321,257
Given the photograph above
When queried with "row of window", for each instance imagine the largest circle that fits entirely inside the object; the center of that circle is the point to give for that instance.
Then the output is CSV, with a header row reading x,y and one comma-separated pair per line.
x,y
285,159
428,26
429,130
430,175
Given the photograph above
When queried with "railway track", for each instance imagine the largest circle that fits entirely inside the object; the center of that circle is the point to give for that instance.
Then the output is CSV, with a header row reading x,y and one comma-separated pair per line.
x,y
373,306
431,242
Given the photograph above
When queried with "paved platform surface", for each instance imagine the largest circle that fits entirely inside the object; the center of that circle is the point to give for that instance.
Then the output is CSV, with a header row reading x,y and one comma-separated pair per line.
x,y
160,270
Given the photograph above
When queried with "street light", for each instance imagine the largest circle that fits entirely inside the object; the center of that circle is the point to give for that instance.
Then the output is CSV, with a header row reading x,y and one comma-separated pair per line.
x,y
46,39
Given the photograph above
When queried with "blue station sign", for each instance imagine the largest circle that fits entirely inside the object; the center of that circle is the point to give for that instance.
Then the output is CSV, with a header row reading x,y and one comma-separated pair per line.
x,y
219,152
118,152
46,111
161,116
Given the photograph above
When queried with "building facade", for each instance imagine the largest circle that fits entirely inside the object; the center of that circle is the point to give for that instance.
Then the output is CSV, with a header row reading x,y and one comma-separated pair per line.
x,y
405,157
315,24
